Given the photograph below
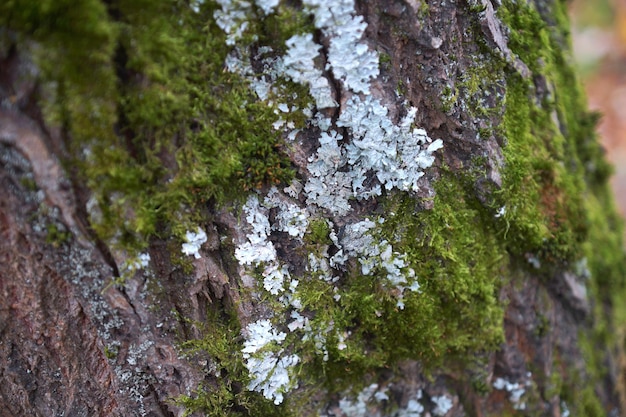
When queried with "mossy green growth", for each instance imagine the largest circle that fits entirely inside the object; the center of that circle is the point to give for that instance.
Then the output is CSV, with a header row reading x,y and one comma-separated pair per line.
x,y
552,158
459,265
552,154
57,235
557,177
542,196
156,126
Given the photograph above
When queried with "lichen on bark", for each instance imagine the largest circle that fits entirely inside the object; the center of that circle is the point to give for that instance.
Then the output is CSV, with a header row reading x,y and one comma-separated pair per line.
x,y
385,208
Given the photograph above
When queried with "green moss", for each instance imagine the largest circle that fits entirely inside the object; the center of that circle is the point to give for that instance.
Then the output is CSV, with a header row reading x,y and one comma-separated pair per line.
x,y
111,352
477,7
456,313
448,99
401,88
318,232
551,153
133,82
557,177
384,58
56,235
547,214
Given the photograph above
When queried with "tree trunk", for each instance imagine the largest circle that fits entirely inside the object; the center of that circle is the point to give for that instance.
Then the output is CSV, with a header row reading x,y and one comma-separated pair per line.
x,y
383,208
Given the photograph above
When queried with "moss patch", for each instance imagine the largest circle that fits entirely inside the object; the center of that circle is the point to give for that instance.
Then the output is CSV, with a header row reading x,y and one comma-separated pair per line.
x,y
552,157
557,178
459,265
134,83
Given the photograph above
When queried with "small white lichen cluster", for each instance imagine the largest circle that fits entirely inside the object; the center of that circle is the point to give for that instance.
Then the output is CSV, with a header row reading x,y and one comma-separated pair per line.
x,y
350,59
267,6
374,255
258,250
368,404
299,66
443,404
135,263
269,369
515,390
360,407
413,408
195,5
233,18
194,241
290,218
395,154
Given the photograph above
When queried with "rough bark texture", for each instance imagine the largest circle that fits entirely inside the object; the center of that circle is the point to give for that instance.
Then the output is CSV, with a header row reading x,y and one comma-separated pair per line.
x,y
72,344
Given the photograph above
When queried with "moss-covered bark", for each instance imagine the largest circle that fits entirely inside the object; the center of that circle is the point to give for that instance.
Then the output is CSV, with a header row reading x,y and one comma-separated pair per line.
x,y
385,208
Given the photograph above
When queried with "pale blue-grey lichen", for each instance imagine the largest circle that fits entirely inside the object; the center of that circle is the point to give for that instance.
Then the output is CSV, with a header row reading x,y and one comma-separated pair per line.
x,y
373,153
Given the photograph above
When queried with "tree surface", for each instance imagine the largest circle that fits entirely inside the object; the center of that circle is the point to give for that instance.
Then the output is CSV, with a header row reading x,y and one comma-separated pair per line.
x,y
297,208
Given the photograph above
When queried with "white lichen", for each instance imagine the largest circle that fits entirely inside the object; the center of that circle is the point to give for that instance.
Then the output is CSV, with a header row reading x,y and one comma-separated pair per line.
x,y
267,6
443,404
515,389
268,369
349,58
270,375
274,277
194,241
290,218
140,261
360,406
195,5
257,249
232,18
395,155
258,335
413,409
299,65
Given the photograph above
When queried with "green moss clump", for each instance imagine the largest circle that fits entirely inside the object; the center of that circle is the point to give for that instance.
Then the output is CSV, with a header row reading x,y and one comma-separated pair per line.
x,y
552,158
318,232
155,126
546,216
57,235
459,265
557,176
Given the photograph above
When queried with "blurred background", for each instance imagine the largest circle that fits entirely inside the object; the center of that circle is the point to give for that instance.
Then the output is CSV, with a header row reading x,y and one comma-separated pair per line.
x,y
599,38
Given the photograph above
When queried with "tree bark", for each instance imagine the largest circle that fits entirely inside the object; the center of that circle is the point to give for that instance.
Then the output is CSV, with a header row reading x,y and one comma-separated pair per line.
x,y
381,208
